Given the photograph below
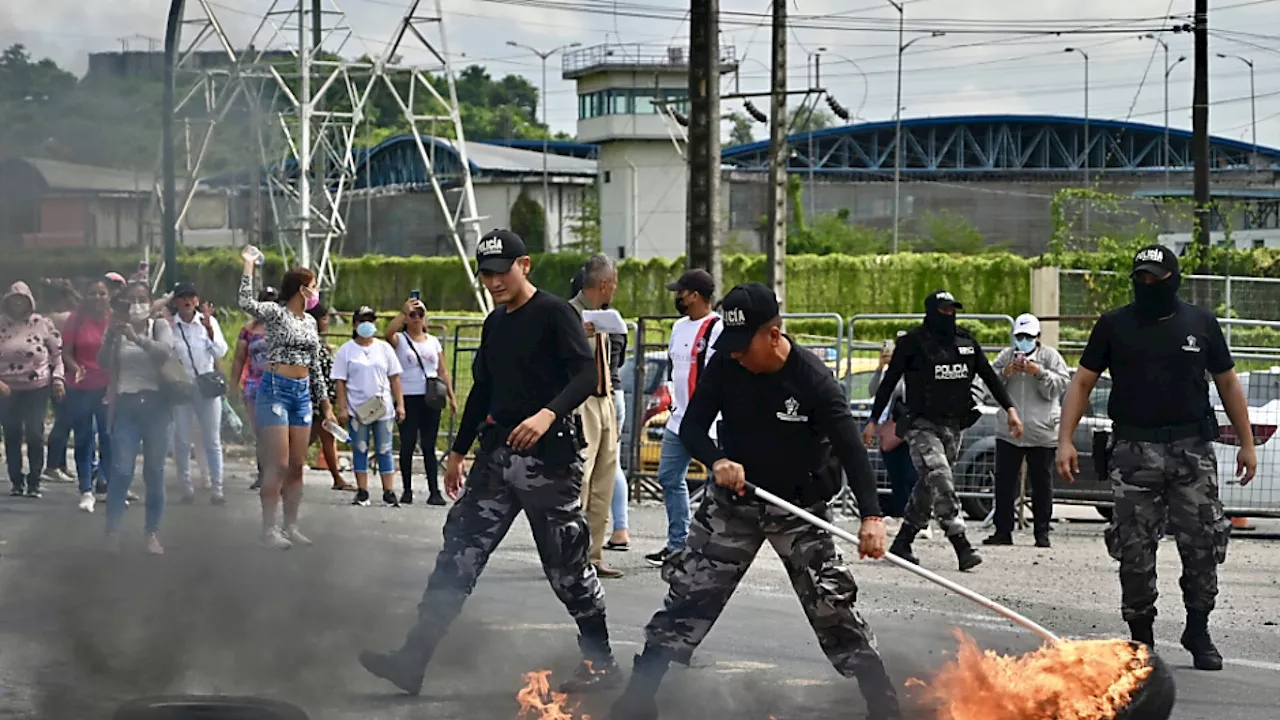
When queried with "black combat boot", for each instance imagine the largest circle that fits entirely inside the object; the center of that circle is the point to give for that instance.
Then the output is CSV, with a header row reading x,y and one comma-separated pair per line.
x,y
902,543
406,667
968,557
1197,641
598,670
640,700
877,690
1142,630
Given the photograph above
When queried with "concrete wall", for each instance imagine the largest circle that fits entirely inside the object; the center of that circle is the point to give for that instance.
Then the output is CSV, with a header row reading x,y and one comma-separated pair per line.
x,y
643,192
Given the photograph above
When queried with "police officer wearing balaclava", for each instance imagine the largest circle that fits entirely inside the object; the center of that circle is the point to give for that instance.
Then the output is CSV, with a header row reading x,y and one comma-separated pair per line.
x,y
939,361
1160,352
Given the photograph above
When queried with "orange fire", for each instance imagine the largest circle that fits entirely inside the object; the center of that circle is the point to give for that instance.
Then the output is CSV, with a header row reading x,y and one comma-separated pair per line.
x,y
1070,680
539,702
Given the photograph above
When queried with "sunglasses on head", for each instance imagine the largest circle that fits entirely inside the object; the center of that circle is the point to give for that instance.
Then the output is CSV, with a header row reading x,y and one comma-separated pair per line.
x,y
417,314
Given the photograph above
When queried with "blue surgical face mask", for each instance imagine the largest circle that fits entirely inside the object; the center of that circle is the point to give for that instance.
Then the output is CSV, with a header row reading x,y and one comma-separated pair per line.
x,y
366,329
1024,346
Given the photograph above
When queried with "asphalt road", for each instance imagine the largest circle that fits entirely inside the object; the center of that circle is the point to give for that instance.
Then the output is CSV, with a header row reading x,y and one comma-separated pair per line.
x,y
81,631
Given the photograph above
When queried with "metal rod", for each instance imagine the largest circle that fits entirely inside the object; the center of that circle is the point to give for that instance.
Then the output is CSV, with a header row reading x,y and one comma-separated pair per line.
x,y
910,567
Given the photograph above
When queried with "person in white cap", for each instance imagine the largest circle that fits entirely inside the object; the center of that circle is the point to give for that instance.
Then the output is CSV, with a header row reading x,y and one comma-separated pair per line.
x,y
1035,376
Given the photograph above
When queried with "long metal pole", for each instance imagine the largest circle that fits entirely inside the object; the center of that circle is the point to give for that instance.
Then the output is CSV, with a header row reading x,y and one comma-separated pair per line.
x,y
1253,117
932,577
546,135
168,209
1200,136
1167,70
304,140
1087,145
776,242
897,131
817,83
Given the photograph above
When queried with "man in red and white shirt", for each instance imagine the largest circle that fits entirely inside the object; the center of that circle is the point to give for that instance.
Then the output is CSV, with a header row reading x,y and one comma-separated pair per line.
x,y
692,340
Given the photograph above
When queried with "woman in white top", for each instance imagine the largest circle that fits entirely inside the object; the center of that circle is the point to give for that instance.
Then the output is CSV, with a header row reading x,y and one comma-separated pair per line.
x,y
427,386
370,402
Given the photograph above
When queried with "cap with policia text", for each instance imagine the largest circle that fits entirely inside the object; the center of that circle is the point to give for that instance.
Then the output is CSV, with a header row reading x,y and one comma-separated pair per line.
x,y
747,308
1155,259
695,280
498,250
942,299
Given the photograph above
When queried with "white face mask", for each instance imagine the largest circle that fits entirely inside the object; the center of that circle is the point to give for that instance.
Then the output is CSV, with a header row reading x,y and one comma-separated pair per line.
x,y
139,312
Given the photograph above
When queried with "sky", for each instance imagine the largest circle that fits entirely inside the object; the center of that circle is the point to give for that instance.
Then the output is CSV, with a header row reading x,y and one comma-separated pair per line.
x,y
971,69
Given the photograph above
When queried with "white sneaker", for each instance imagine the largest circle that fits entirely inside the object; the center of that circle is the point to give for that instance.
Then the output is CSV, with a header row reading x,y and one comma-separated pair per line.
x,y
152,545
294,536
926,533
274,539
87,502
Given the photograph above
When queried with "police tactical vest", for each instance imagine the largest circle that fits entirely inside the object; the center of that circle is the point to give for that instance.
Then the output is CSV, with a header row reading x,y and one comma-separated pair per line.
x,y
947,370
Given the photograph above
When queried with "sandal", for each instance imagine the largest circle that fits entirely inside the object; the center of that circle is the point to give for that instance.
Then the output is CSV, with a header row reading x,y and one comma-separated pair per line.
x,y
344,487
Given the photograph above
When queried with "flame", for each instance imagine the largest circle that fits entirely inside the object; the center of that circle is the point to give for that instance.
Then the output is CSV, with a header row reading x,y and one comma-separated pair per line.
x,y
1070,680
539,702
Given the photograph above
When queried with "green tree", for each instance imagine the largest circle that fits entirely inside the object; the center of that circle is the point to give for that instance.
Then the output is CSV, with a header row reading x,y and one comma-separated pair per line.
x,y
949,232
585,229
741,131
529,221
801,120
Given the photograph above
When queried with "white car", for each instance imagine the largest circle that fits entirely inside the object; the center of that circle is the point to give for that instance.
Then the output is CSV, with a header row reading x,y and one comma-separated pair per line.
x,y
1262,496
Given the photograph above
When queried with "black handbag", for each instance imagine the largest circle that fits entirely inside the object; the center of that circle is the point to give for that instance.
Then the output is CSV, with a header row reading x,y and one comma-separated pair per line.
x,y
212,384
437,391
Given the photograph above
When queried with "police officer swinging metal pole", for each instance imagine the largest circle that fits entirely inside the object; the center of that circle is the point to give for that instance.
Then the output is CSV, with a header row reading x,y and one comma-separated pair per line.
x,y
533,368
786,428
940,362
1158,457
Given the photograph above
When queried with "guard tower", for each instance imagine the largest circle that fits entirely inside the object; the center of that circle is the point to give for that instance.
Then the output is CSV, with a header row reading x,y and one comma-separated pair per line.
x,y
629,98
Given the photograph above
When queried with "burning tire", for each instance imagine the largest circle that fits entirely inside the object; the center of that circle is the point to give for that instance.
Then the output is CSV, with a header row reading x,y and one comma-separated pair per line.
x,y
1154,699
207,707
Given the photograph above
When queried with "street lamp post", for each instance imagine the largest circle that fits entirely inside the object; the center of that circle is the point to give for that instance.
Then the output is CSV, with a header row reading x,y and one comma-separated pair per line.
x,y
897,113
1085,55
1253,108
816,57
1168,69
546,134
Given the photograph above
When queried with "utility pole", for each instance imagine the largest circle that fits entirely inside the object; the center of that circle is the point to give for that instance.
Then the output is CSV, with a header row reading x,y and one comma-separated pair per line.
x,y
776,242
1253,108
1200,135
1087,139
897,129
702,229
1168,70
304,139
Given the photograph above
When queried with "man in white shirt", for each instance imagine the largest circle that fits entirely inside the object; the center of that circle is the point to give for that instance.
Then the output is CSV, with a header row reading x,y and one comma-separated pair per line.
x,y
692,340
198,342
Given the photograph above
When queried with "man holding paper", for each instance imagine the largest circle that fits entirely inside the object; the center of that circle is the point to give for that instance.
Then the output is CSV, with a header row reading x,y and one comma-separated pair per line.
x,y
599,416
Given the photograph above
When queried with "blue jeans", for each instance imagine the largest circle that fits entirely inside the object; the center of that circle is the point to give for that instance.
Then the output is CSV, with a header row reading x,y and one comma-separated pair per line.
x,y
207,412
88,413
59,434
619,506
381,431
140,419
673,468
282,401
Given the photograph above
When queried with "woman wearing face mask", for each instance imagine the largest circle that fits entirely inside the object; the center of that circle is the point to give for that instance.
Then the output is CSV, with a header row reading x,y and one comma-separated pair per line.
x,y
1035,376
133,352
427,386
283,409
30,373
370,401
86,402
250,362
328,443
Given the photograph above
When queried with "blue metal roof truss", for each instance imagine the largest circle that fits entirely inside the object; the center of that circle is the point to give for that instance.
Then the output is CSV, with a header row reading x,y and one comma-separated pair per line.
x,y
987,146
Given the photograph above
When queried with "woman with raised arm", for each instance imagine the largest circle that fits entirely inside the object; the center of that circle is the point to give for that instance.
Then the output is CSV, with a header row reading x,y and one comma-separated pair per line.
x,y
283,409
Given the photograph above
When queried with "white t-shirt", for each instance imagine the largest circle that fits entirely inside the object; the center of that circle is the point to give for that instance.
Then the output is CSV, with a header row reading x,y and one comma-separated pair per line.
x,y
367,372
413,381
688,338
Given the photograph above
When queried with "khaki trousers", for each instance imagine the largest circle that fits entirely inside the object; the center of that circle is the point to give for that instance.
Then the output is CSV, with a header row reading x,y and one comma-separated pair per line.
x,y
600,424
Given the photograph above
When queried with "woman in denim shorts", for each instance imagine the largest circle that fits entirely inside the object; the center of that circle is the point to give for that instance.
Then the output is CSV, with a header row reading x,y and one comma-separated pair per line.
x,y
283,408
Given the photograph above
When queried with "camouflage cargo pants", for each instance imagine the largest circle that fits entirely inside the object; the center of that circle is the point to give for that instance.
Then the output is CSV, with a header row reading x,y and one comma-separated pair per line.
x,y
499,486
723,541
1154,482
933,449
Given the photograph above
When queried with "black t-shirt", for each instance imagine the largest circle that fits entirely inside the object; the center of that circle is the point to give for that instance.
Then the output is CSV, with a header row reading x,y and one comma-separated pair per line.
x,y
781,427
1158,368
530,358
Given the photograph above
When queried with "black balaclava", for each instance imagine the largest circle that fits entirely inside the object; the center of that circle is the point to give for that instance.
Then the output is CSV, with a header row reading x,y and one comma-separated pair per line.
x,y
1158,299
943,326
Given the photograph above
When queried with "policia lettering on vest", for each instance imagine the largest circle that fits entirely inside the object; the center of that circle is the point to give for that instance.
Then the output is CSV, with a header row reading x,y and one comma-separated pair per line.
x,y
787,428
1162,467
533,368
939,362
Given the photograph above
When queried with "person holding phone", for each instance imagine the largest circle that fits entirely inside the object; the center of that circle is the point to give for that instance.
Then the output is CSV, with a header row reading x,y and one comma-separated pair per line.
x,y
82,339
427,389
1035,376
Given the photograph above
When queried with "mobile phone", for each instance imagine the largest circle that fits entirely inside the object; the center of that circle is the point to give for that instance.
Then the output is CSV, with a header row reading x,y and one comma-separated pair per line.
x,y
415,294
1020,357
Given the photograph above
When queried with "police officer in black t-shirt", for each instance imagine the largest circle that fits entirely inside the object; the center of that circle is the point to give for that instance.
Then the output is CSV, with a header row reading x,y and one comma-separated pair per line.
x,y
940,362
532,370
1160,352
786,428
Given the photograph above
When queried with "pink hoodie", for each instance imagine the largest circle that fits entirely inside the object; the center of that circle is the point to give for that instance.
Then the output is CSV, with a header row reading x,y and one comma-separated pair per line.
x,y
30,349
